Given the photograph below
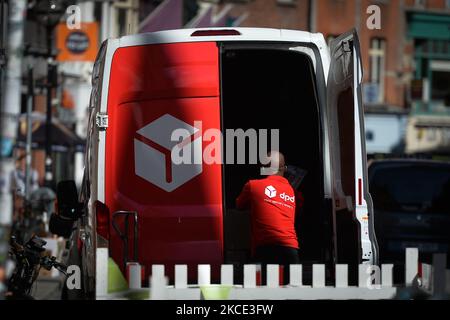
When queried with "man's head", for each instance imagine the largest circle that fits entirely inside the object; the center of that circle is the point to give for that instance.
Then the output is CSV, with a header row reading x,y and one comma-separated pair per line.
x,y
276,165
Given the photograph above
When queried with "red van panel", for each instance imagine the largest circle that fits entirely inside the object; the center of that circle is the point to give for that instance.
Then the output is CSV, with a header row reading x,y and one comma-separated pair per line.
x,y
153,90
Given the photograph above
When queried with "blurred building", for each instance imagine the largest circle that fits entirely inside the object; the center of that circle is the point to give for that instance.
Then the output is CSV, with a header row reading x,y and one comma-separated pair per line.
x,y
428,34
72,55
283,14
406,61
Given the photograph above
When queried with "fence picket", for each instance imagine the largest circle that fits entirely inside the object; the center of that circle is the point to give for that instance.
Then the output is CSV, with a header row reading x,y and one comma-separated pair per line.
x,y
296,276
273,275
249,276
181,276
341,276
204,274
227,275
318,276
387,275
411,265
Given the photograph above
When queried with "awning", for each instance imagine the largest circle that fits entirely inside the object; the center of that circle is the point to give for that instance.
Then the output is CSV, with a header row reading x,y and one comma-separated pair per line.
x,y
428,25
168,15
63,139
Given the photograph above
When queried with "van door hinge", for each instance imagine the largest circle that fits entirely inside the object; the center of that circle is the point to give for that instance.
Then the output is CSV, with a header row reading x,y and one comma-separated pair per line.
x,y
101,120
347,45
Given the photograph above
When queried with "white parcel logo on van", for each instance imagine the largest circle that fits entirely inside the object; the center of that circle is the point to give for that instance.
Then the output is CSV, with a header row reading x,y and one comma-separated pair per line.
x,y
150,163
270,191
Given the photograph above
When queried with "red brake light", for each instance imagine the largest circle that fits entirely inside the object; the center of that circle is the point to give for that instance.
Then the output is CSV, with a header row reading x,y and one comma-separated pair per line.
x,y
360,196
102,216
209,33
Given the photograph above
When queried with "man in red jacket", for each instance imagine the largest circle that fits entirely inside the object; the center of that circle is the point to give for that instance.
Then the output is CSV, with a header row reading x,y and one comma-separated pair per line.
x,y
272,208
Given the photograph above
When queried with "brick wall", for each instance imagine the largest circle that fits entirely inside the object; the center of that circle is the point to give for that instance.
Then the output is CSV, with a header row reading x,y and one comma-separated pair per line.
x,y
334,17
270,14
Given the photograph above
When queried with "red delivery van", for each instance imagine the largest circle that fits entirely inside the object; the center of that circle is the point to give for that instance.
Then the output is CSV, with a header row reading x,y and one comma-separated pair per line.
x,y
146,208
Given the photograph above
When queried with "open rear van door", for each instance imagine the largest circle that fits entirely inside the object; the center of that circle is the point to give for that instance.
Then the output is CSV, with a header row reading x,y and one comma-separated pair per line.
x,y
353,210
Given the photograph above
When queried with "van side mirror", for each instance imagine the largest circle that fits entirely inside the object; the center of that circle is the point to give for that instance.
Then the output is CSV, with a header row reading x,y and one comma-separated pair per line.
x,y
69,209
67,199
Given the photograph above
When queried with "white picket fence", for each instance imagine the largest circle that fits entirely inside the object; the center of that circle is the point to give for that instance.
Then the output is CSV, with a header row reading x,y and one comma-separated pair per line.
x,y
436,278
373,282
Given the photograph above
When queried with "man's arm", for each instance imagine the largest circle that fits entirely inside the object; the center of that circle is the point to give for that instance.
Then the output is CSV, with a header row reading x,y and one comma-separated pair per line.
x,y
243,200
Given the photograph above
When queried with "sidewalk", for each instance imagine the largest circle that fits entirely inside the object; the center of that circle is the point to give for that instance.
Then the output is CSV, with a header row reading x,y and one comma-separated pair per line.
x,y
47,288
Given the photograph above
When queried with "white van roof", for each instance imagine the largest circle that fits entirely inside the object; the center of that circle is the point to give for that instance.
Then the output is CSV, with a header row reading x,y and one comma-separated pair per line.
x,y
245,34
186,35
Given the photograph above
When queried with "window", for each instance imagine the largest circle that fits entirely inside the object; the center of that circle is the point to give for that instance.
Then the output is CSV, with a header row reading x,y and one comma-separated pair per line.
x,y
377,54
124,15
330,38
440,78
440,89
287,2
447,4
421,3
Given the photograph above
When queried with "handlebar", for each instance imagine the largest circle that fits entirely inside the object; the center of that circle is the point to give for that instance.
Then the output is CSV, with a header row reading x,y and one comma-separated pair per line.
x,y
35,246
29,258
49,262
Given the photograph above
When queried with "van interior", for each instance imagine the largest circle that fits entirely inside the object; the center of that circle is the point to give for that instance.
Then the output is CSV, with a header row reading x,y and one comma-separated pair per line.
x,y
275,89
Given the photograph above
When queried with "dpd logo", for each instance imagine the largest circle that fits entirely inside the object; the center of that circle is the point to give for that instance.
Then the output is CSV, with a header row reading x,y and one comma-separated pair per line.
x,y
270,191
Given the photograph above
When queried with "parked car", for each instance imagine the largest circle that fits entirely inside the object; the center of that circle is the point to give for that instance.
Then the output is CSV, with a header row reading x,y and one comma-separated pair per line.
x,y
412,208
147,85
